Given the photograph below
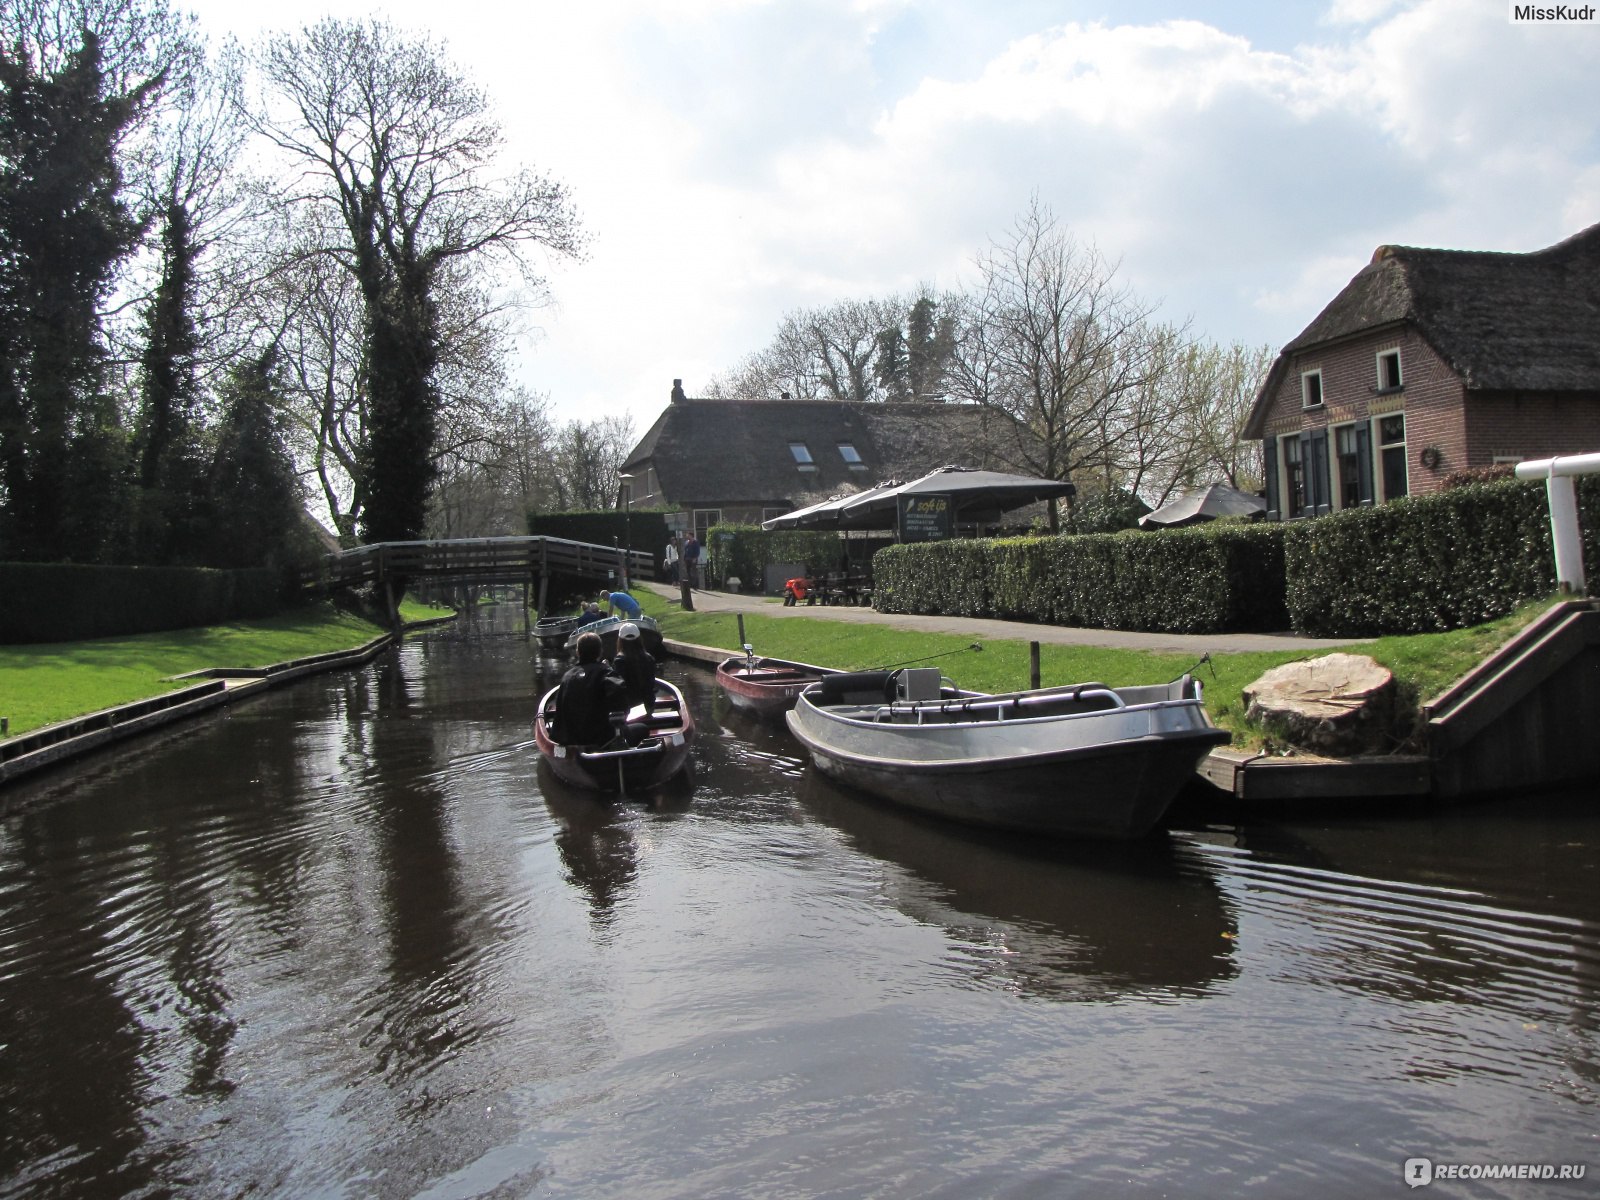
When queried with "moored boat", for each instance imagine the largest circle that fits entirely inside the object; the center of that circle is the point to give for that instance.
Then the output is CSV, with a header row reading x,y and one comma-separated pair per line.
x,y
607,628
618,767
1086,760
765,687
553,632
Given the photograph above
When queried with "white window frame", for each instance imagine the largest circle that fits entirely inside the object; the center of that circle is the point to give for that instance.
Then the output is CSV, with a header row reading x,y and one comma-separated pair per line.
x,y
1399,384
1380,482
1305,389
715,515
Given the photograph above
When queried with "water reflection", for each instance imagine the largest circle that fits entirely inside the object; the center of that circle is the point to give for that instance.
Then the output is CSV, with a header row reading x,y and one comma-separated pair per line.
x,y
1056,921
349,939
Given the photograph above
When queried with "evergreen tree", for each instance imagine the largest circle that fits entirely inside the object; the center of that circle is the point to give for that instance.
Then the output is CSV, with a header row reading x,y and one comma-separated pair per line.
x,y
63,230
256,514
168,463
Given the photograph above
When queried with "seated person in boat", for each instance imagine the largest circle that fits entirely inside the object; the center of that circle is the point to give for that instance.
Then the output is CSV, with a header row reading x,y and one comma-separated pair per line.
x,y
590,692
591,612
636,668
621,602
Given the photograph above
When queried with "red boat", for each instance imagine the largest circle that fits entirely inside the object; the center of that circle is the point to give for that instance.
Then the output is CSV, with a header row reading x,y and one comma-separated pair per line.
x,y
662,753
765,687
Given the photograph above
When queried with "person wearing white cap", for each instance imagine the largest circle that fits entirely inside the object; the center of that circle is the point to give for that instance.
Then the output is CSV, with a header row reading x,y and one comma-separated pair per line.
x,y
636,667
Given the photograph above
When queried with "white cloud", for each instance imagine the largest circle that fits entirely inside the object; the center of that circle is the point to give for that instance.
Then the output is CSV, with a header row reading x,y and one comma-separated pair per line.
x,y
736,159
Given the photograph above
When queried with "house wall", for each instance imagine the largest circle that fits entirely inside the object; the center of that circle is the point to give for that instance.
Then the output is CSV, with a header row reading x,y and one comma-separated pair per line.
x,y
1430,397
1511,425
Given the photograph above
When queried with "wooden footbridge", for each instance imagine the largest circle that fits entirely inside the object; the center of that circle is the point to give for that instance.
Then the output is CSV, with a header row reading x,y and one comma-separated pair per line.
x,y
530,561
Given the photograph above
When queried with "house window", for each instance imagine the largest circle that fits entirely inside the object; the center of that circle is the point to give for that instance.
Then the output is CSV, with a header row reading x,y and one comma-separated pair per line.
x,y
768,513
801,452
1352,460
1389,371
1392,455
1294,478
851,456
1311,389
704,519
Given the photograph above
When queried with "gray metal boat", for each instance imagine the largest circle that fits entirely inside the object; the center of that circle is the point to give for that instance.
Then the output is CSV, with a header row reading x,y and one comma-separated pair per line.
x,y
1086,760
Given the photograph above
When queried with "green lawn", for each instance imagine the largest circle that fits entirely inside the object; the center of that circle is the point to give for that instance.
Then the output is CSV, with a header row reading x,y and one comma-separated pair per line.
x,y
42,684
1423,664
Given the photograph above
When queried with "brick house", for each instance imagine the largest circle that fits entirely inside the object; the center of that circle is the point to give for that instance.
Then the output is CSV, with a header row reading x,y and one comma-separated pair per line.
x,y
746,461
1431,362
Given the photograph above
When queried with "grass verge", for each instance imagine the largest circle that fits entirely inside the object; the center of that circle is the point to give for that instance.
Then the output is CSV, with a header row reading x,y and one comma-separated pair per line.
x,y
43,684
1423,664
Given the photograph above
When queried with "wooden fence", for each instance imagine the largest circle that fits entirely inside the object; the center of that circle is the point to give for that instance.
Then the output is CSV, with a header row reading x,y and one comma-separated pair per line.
x,y
479,560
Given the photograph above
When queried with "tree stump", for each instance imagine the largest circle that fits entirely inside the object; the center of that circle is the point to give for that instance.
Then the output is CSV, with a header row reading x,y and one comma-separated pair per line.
x,y
1340,705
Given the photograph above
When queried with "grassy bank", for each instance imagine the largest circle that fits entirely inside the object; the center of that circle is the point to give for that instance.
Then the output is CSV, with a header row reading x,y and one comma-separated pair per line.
x,y
42,684
1423,664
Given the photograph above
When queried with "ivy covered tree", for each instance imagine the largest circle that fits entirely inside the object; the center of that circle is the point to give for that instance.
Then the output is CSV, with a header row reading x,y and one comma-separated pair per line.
x,y
391,145
64,228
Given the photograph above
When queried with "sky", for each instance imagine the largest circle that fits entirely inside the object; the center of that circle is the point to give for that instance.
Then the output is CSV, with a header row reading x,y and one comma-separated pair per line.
x,y
736,160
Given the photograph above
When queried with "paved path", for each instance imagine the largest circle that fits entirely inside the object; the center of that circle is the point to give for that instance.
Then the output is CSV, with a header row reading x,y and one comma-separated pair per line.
x,y
1020,631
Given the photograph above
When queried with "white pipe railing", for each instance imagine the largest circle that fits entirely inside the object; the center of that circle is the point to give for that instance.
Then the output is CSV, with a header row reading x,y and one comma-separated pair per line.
x,y
1562,495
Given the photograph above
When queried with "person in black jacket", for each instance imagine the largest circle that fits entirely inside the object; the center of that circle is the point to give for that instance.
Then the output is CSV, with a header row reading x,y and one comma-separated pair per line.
x,y
590,692
636,668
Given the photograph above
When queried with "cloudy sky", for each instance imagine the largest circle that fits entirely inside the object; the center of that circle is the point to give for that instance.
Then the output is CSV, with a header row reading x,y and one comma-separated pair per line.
x,y
735,160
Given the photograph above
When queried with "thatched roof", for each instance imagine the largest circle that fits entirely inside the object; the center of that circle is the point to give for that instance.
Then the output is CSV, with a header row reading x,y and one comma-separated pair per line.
x,y
1503,322
721,452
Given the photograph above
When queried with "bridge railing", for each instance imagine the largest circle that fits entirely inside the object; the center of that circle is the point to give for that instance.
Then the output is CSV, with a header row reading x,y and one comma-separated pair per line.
x,y
511,559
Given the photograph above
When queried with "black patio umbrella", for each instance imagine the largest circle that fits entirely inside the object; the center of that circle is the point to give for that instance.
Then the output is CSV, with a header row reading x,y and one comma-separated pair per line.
x,y
828,514
975,495
1218,500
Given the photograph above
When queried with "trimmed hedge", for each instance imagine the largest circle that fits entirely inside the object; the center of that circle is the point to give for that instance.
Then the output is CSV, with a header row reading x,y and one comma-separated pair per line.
x,y
71,602
746,551
1209,579
1429,563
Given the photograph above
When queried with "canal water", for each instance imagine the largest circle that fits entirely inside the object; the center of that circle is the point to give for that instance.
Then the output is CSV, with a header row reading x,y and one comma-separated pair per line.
x,y
350,939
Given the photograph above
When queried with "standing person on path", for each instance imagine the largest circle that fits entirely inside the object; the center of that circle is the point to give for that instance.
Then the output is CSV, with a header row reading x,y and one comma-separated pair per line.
x,y
691,562
669,559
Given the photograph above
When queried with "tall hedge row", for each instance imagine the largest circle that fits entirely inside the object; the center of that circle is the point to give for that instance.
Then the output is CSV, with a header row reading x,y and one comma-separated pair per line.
x,y
746,551
1208,579
641,529
1429,563
69,602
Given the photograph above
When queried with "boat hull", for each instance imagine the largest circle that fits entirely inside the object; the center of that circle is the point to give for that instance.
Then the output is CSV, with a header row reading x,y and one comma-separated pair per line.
x,y
654,761
766,687
607,631
553,632
1110,774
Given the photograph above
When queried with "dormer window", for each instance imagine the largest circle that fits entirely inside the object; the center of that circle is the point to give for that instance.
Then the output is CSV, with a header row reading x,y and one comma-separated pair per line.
x,y
1389,371
851,456
1311,389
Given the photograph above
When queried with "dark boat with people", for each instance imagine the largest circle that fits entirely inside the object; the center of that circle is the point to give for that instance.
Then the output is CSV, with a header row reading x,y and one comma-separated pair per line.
x,y
607,628
1085,760
617,766
765,687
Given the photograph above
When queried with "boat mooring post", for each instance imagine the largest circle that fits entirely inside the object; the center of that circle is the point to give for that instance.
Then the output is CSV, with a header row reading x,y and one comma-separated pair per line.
x,y
1033,665
1562,496
740,617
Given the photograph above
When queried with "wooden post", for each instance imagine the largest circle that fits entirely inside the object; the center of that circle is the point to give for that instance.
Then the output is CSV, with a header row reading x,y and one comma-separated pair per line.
x,y
544,589
741,630
1033,665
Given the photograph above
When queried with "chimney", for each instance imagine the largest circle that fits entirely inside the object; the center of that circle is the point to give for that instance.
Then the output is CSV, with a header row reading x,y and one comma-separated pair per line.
x,y
677,391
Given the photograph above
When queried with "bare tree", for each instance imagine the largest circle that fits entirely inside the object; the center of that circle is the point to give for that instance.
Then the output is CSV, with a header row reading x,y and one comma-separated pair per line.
x,y
1055,341
388,142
